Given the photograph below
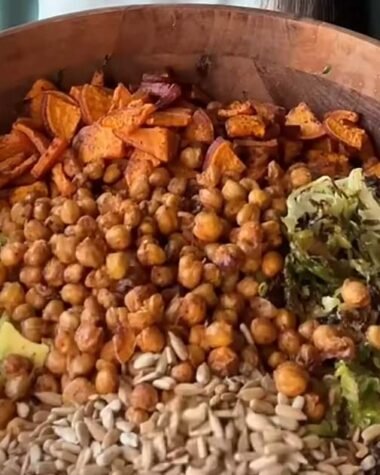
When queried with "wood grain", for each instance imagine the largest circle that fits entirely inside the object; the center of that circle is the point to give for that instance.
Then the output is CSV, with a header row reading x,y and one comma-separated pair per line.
x,y
251,53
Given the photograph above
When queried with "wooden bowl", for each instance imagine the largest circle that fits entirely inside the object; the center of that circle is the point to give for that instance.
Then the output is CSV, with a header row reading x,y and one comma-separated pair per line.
x,y
231,52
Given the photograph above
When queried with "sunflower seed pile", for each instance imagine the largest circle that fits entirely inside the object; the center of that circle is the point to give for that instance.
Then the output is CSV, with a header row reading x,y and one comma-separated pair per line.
x,y
235,426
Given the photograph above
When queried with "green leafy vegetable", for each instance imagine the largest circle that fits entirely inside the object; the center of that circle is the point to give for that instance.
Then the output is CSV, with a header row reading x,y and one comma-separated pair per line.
x,y
333,229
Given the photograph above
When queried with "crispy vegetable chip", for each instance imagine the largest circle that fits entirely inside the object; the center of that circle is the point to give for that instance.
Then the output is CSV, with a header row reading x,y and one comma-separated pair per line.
x,y
61,115
94,103
38,189
302,116
8,176
48,159
14,143
121,97
345,131
157,141
333,165
236,108
124,342
245,126
39,140
128,119
63,184
201,128
172,117
220,160
95,142
139,164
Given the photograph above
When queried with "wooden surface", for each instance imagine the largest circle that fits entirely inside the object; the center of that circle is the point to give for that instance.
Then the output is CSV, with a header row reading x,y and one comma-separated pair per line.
x,y
249,53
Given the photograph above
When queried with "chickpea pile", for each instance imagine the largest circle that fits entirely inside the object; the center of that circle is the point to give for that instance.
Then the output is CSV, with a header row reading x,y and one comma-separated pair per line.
x,y
113,268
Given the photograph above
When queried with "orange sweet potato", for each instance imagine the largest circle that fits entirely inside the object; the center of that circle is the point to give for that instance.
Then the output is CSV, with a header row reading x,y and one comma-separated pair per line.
x,y
245,126
61,114
35,97
39,140
38,189
160,142
10,175
342,114
124,342
345,131
139,164
13,143
95,142
60,180
94,102
48,159
75,92
121,97
200,129
128,119
172,117
325,163
236,108
220,161
302,116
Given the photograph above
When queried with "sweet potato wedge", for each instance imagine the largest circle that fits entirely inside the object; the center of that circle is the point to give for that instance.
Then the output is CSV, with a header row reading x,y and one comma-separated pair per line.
x,y
121,97
160,142
39,86
245,126
310,127
325,163
166,92
94,103
9,176
13,143
53,154
345,131
38,189
139,164
220,161
129,118
39,140
124,342
95,142
200,129
172,117
268,111
34,98
236,108
60,180
61,115
342,114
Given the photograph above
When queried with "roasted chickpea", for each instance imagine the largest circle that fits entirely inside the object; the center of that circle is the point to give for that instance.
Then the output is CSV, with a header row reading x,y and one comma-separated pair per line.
x,y
279,205
166,219
228,257
151,340
272,233
263,330
89,338
132,214
159,177
276,358
37,254
64,342
90,253
198,336
163,276
21,212
34,230
46,383
13,365
73,273
106,382
248,212
150,254
189,271
192,309
108,352
212,274
233,190
233,301
139,189
106,298
249,183
63,247
22,312
285,320
144,396
208,227
107,220
196,354
219,333
251,265
183,372
207,292
106,202
112,173
81,365
117,265
37,296
291,379
53,273
247,287
232,209
227,315
373,336
191,157
355,294
289,341
300,176
53,310
56,362
333,343
272,264
177,185
261,198
118,237
78,391
306,329
12,254
70,212
18,387
94,170
69,320
30,276
308,356
211,199
41,209
249,356
11,296
315,408
223,361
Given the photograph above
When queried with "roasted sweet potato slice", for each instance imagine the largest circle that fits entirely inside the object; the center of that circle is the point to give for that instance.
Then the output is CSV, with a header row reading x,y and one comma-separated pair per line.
x,y
38,189
257,164
9,176
35,97
61,115
220,160
310,127
200,129
160,142
292,149
345,131
139,164
268,111
173,117
39,140
75,92
124,342
128,119
94,102
121,97
166,92
13,143
39,86
342,114
95,142
236,108
331,164
325,144
9,163
53,154
245,126
64,186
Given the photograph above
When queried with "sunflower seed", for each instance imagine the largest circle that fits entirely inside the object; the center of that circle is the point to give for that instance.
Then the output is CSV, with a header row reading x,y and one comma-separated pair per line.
x,y
145,360
203,374
275,469
371,433
263,462
327,468
108,455
248,394
146,455
67,434
44,468
368,463
110,438
49,398
129,438
93,470
257,422
165,383
290,412
178,346
96,430
188,389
